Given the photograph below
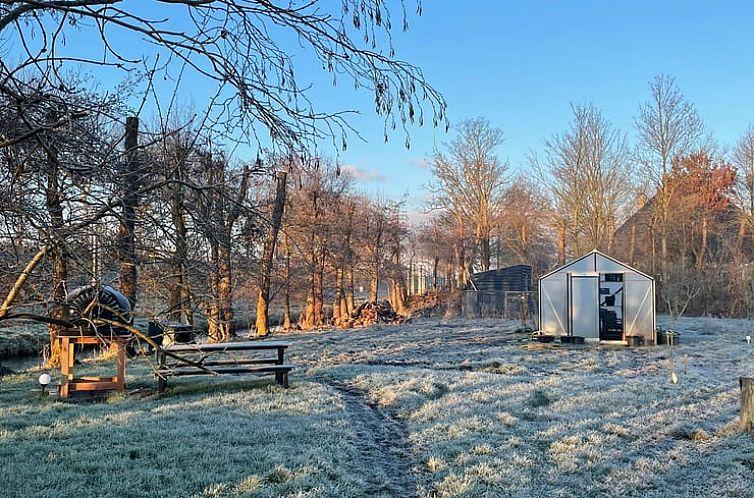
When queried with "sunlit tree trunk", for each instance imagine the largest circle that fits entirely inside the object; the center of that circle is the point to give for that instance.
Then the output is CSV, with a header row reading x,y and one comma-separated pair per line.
x,y
267,256
287,285
350,306
59,256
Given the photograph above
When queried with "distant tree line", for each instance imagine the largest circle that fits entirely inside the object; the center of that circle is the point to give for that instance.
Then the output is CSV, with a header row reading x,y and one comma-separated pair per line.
x,y
672,203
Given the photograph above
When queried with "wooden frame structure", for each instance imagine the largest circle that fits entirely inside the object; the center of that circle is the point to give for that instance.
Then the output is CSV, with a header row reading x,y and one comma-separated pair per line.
x,y
70,384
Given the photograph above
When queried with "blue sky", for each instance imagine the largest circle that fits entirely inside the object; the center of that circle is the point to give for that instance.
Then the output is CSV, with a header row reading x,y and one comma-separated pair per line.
x,y
521,64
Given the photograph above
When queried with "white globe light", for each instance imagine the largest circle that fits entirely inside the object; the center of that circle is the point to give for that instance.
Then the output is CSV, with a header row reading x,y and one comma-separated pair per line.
x,y
45,379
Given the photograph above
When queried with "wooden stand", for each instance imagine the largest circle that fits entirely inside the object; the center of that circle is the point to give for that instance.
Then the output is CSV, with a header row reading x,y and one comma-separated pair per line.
x,y
746,422
70,384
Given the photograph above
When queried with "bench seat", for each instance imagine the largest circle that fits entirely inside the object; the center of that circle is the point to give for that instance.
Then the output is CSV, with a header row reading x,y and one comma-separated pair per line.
x,y
239,369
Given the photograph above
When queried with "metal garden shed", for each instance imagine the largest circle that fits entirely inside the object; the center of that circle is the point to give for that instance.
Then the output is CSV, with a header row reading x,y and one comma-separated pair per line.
x,y
598,298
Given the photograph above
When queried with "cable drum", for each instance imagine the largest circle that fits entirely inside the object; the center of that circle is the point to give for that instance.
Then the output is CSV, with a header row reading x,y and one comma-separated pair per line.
x,y
87,304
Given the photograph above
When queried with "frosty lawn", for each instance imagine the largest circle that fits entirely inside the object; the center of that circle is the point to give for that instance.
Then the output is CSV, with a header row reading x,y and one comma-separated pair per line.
x,y
445,409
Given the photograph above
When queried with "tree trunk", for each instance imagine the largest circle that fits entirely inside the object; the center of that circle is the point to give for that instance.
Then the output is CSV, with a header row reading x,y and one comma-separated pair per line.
x,y
59,276
435,264
225,292
343,310
703,248
561,244
411,286
267,256
126,235
484,252
287,286
460,270
308,316
58,254
740,237
664,254
632,245
398,298
336,316
21,280
180,299
213,310
319,301
373,288
450,278
349,293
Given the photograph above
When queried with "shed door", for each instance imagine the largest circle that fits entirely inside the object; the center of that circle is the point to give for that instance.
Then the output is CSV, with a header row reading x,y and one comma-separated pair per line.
x,y
639,307
584,306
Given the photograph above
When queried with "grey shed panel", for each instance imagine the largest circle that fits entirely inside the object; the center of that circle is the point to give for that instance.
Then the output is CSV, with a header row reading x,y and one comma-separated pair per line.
x,y
584,316
553,314
639,302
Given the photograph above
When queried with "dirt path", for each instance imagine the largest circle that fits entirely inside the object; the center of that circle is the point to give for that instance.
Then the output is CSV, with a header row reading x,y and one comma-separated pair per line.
x,y
386,455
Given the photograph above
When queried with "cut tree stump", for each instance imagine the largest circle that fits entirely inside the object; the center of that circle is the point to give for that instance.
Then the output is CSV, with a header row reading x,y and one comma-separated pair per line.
x,y
746,422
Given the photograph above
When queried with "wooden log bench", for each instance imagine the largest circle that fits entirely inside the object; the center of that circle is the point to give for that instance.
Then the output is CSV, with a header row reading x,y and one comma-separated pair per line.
x,y
222,358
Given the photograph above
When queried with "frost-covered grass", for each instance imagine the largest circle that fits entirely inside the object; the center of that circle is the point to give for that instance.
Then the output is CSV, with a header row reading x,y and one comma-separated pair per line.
x,y
482,411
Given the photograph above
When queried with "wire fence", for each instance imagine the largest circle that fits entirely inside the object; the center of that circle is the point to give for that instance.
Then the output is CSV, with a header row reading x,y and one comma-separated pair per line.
x,y
512,305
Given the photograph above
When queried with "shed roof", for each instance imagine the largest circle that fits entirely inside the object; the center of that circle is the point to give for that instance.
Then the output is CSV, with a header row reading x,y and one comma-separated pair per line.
x,y
595,253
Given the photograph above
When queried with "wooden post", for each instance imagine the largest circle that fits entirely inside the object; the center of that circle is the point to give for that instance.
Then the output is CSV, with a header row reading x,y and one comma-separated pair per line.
x,y
746,422
162,380
120,376
66,365
281,359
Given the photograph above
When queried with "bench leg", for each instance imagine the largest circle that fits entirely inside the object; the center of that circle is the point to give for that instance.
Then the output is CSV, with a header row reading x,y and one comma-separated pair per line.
x,y
162,383
284,376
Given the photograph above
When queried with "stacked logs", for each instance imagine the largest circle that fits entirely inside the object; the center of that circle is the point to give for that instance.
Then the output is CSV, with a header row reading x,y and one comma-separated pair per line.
x,y
372,313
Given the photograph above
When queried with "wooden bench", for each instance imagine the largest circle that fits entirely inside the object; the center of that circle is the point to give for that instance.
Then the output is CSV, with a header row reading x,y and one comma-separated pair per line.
x,y
220,358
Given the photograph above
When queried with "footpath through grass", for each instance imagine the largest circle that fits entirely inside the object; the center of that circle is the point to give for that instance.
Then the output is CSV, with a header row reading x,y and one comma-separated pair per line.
x,y
458,409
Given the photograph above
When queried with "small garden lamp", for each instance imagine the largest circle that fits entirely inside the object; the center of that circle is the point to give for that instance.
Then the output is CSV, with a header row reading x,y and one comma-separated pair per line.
x,y
44,381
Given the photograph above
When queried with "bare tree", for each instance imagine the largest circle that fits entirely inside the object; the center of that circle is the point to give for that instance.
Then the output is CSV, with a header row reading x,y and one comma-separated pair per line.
x,y
469,181
587,171
523,223
743,158
373,236
668,126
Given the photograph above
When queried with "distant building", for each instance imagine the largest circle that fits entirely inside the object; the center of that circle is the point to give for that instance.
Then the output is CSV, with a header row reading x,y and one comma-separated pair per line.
x,y
498,293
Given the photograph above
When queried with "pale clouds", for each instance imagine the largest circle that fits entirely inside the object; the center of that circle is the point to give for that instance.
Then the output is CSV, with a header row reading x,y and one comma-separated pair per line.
x,y
364,175
419,163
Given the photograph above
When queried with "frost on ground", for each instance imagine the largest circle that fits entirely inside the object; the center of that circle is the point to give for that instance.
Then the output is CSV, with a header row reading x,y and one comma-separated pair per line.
x,y
429,409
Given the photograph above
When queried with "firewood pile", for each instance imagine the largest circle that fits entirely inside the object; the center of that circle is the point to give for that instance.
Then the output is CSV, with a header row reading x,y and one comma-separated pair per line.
x,y
427,305
371,313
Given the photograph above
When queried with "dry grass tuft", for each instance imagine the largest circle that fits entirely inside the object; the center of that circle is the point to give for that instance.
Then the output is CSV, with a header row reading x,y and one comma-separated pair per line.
x,y
435,464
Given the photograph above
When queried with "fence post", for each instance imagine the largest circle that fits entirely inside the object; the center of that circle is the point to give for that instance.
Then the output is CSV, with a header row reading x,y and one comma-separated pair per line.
x,y
746,422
